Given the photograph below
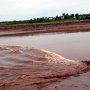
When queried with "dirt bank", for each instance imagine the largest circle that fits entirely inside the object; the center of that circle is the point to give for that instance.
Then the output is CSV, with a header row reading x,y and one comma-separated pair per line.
x,y
35,69
6,30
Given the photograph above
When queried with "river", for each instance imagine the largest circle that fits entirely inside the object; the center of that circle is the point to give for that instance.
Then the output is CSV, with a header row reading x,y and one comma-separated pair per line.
x,y
70,45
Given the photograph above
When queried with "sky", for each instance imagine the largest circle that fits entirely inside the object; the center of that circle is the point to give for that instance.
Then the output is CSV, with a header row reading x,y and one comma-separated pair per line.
x,y
27,9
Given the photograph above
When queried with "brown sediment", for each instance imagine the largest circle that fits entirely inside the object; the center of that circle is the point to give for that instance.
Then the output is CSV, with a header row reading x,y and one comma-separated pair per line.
x,y
6,30
35,69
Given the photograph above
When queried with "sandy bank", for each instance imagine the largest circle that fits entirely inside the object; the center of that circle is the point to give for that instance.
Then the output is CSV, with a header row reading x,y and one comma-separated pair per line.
x,y
7,30
35,69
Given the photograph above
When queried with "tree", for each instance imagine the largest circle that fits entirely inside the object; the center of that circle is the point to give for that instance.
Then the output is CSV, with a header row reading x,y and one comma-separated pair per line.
x,y
64,15
56,18
67,16
72,16
77,16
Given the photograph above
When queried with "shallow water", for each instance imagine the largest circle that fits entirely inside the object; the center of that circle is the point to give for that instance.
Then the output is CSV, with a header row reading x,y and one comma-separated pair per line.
x,y
81,82
70,45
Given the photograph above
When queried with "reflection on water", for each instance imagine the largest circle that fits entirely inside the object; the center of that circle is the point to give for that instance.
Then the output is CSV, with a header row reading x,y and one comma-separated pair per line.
x,y
70,45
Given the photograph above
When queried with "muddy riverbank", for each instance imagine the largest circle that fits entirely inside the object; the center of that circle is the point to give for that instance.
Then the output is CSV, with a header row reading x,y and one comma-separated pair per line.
x,y
6,30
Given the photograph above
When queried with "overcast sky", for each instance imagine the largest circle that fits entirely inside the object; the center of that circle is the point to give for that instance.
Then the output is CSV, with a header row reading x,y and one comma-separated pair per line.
x,y
26,9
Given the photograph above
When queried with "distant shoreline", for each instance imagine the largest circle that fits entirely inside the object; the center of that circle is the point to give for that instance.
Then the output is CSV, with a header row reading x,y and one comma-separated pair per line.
x,y
21,29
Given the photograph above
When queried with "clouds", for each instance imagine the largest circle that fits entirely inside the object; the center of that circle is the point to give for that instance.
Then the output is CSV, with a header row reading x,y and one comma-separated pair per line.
x,y
26,9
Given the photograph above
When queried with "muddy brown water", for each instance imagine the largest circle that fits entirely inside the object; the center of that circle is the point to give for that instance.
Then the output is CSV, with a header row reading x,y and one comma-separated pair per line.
x,y
69,45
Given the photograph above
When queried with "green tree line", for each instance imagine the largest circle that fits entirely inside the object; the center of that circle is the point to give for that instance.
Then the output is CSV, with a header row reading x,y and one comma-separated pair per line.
x,y
64,16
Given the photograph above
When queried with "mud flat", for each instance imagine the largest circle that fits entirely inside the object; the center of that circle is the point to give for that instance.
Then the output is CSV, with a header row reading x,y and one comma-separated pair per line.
x,y
6,30
35,69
